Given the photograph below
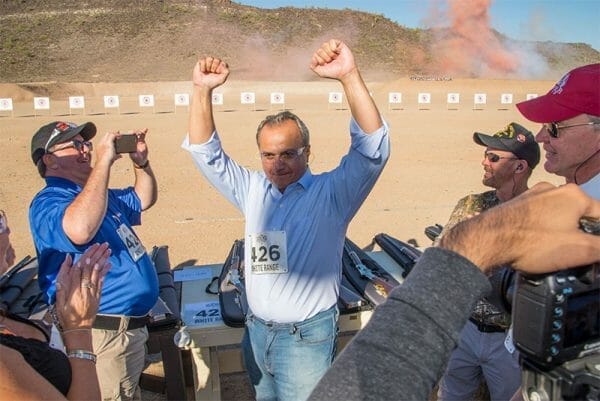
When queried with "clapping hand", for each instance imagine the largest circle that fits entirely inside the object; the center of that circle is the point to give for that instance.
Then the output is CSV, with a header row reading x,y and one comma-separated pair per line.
x,y
79,286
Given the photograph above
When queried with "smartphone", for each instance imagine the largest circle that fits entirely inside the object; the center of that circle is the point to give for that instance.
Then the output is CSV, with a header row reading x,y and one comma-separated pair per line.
x,y
126,143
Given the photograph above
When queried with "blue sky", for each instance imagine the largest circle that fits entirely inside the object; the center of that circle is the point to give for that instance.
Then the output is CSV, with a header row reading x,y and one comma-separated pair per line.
x,y
553,20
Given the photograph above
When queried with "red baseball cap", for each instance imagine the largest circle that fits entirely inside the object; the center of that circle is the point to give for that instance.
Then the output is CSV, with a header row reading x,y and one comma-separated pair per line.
x,y
578,92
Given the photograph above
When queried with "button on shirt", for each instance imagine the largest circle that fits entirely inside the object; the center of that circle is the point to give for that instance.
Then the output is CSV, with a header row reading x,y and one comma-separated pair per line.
x,y
314,213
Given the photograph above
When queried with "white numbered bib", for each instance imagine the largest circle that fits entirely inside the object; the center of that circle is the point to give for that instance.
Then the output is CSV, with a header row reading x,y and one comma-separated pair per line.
x,y
56,341
134,245
268,252
508,341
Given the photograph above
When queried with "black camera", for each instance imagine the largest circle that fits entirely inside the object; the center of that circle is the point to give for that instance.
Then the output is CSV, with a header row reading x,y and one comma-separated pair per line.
x,y
556,327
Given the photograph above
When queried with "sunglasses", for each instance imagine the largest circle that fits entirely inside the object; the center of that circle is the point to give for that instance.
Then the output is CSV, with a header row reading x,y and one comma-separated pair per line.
x,y
553,128
3,222
74,143
286,156
493,158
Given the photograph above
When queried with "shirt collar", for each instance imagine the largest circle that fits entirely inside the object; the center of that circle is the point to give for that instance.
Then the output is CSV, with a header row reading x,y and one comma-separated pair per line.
x,y
59,181
305,181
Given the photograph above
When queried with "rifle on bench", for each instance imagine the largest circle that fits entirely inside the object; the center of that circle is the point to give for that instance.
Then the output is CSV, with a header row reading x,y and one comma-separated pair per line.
x,y
372,281
232,289
402,253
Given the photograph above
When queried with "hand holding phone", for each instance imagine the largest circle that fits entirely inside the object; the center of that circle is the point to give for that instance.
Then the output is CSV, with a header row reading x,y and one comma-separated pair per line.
x,y
126,143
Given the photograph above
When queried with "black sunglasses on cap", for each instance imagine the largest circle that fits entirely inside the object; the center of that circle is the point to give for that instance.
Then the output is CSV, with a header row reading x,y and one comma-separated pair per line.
x,y
492,157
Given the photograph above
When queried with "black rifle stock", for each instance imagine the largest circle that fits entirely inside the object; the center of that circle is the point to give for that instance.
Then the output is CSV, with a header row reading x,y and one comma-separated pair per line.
x,y
403,254
12,283
16,268
349,299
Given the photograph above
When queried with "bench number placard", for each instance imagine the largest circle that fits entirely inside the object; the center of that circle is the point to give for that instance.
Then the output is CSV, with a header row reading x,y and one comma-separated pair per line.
x,y
203,314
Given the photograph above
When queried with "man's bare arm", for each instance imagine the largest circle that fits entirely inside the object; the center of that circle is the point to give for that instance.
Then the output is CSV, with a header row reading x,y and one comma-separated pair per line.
x,y
335,60
209,72
536,232
84,215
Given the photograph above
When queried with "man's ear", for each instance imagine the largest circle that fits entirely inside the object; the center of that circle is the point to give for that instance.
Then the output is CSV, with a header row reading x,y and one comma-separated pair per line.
x,y
50,161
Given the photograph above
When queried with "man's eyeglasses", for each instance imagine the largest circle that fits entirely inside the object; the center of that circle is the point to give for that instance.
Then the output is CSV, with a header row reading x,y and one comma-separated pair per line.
x,y
285,156
553,128
3,222
74,143
493,158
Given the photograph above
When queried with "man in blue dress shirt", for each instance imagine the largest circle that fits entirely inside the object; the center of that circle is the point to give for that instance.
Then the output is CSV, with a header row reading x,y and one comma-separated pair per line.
x,y
295,222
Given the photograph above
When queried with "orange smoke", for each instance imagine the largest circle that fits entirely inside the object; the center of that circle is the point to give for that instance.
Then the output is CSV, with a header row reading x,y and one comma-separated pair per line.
x,y
469,46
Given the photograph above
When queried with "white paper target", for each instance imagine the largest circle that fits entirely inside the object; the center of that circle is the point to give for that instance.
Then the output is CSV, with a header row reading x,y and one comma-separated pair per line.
x,y
506,98
247,97
146,100
453,98
277,98
395,97
6,104
41,103
217,99
424,98
480,98
111,101
76,102
335,97
182,99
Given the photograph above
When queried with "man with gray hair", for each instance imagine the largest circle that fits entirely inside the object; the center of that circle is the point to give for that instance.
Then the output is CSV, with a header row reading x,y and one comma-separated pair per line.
x,y
295,223
570,135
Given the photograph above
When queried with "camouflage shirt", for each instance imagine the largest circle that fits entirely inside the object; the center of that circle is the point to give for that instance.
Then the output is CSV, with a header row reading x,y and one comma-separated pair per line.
x,y
467,207
489,310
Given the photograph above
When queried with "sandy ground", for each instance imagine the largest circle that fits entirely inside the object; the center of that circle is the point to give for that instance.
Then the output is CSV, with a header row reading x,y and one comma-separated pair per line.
x,y
433,163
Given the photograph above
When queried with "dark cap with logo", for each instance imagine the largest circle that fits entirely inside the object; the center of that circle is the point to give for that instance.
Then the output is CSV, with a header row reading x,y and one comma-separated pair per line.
x,y
58,132
514,138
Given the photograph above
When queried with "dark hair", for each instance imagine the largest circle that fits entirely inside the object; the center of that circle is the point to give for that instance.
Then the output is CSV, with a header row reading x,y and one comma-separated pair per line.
x,y
41,167
279,118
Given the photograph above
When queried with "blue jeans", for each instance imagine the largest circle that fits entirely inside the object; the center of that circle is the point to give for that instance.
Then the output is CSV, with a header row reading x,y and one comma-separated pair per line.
x,y
286,360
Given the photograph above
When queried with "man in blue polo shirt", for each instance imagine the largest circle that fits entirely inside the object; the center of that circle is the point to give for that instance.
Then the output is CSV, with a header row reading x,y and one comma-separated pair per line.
x,y
76,209
295,223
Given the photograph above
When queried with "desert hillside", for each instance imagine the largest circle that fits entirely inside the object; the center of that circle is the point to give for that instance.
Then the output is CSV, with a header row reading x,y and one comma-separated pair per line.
x,y
118,41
